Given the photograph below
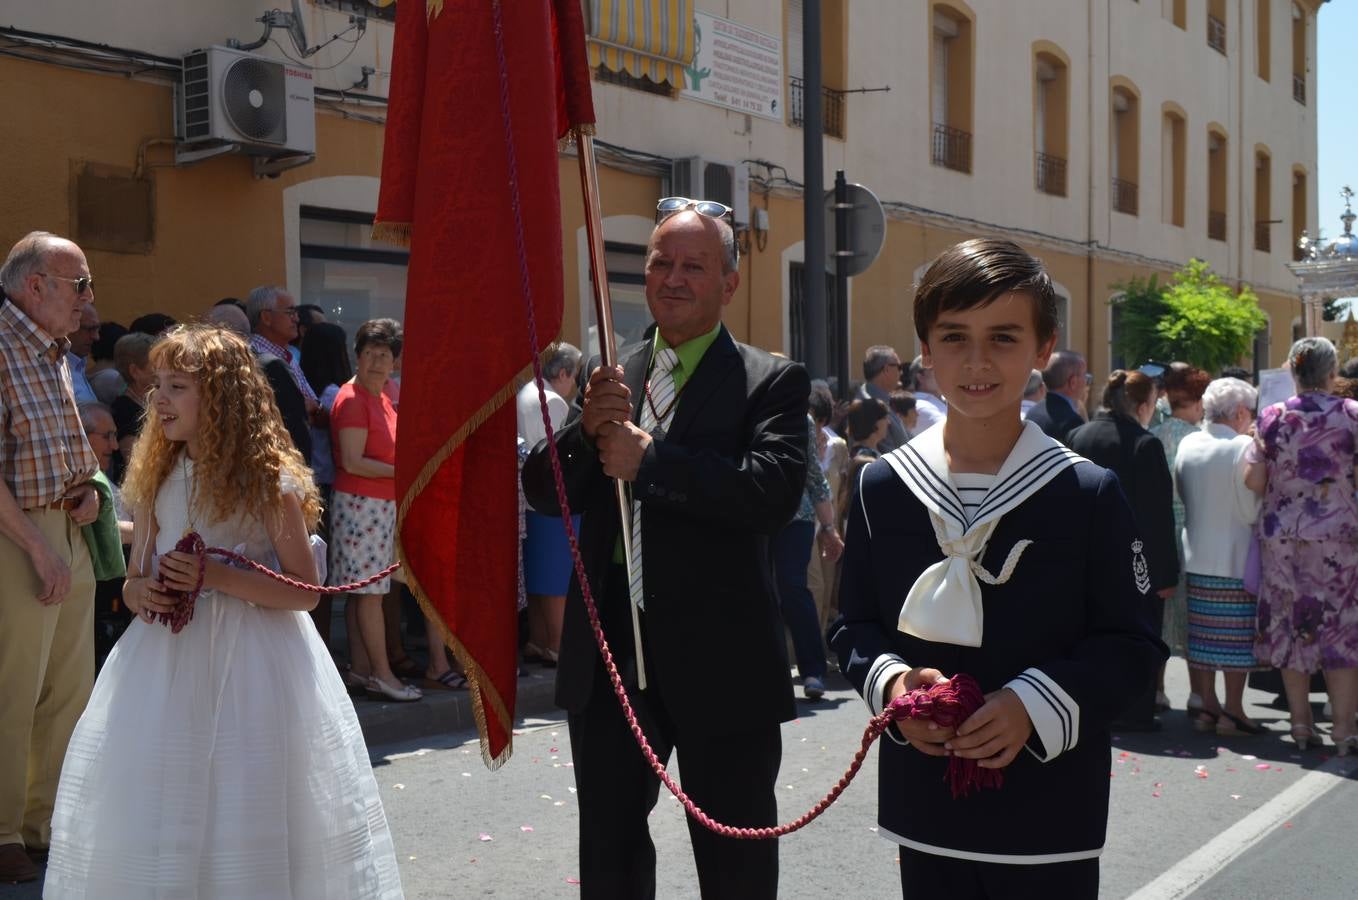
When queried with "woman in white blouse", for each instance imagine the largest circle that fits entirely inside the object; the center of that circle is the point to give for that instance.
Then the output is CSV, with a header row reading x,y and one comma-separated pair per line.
x,y
1219,512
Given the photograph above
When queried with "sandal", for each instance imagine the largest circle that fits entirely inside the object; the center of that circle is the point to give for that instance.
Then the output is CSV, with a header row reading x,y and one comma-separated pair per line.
x,y
404,693
1235,726
1304,736
450,680
1205,720
355,683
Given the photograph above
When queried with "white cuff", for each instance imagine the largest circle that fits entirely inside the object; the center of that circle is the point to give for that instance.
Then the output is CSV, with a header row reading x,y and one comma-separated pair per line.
x,y
1054,713
884,670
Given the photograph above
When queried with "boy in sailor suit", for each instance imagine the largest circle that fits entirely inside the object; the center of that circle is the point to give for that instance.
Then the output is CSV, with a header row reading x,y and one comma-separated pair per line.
x,y
989,548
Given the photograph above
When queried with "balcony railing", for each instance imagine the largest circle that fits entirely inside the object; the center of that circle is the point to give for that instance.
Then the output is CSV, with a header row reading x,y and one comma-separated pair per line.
x,y
1216,225
1216,34
1299,89
1051,174
831,109
1124,196
952,148
1262,237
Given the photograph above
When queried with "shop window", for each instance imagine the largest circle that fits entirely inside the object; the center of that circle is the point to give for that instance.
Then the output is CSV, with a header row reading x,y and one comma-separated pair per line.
x,y
345,272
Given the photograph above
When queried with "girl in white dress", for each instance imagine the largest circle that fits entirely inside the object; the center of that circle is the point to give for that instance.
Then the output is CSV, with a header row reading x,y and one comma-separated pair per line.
x,y
223,761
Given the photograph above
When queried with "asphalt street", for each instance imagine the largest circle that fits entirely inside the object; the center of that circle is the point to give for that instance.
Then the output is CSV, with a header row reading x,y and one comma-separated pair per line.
x,y
1193,815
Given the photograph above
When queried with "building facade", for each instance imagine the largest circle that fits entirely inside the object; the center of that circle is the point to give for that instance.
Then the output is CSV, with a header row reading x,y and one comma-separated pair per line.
x,y
1113,139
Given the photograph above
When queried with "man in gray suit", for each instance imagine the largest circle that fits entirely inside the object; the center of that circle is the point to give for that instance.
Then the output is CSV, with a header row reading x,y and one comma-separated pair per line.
x,y
881,376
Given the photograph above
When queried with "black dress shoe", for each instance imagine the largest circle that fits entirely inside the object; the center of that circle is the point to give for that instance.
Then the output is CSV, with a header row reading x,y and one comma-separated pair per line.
x,y
1140,725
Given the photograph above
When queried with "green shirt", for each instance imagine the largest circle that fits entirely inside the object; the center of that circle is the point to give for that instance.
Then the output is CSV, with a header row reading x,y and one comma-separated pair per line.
x,y
690,353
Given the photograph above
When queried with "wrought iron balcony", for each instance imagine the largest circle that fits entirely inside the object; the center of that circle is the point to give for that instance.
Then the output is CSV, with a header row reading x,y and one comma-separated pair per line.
x,y
1299,89
831,109
952,148
1124,196
1216,225
1051,174
1216,34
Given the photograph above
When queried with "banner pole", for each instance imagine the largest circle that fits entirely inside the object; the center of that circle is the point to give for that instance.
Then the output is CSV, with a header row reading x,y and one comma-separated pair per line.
x,y
608,351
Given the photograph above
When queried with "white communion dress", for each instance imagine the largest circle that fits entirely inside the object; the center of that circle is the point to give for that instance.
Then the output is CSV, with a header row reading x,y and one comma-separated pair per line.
x,y
221,763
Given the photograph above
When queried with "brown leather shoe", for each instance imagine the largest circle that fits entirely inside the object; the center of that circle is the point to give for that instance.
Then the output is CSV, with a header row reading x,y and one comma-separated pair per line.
x,y
15,866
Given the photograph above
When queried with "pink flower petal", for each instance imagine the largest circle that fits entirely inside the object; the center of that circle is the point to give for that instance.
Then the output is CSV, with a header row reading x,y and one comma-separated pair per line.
x,y
525,827
1263,766
1155,793
572,881
485,838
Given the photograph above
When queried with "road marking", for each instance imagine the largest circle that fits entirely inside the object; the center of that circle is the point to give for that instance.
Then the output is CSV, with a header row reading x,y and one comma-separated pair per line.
x,y
1193,871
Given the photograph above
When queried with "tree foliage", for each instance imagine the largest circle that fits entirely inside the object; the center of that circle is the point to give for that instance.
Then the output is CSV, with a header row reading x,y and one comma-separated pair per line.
x,y
1196,318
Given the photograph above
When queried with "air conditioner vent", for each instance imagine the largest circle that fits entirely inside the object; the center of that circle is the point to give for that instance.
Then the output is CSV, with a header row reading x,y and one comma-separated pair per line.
x,y
255,99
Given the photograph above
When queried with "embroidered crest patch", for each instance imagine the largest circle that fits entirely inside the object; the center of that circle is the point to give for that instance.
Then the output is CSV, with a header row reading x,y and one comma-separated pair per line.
x,y
1140,570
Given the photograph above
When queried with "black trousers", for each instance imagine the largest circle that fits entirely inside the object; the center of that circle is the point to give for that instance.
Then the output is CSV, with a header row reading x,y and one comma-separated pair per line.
x,y
731,777
925,876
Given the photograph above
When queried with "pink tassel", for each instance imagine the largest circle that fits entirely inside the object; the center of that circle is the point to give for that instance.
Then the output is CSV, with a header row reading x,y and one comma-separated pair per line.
x,y
948,704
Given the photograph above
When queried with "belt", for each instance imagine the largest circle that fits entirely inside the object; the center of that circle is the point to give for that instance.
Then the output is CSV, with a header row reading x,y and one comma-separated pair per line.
x,y
65,503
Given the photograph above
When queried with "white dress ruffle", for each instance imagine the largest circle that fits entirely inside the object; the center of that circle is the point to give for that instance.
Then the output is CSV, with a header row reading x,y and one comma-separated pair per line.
x,y
223,762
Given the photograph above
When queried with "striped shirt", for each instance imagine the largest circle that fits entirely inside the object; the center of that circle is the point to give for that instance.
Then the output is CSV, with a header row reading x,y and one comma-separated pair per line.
x,y
262,345
43,450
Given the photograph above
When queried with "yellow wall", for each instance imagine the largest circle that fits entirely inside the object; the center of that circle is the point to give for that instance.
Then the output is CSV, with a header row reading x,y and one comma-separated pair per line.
x,y
218,229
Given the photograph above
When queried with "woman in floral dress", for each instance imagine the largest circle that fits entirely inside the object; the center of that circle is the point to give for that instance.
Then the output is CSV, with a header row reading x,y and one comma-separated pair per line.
x,y
1184,386
1302,462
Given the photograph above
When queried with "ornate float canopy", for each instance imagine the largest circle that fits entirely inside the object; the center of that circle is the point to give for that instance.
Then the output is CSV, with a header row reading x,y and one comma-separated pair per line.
x,y
1327,270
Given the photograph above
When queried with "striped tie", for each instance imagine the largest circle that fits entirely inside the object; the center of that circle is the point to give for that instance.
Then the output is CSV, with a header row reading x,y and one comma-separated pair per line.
x,y
661,400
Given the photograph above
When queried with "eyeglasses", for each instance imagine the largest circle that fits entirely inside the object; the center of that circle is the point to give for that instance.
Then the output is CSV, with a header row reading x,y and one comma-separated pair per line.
x,y
290,312
710,208
82,284
111,435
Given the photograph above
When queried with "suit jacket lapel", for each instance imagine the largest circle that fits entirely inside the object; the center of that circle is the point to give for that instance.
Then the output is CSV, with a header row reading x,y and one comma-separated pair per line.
x,y
712,370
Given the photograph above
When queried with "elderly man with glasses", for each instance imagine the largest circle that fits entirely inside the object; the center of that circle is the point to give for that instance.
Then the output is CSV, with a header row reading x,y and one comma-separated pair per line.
x,y
47,592
82,341
881,376
711,436
273,322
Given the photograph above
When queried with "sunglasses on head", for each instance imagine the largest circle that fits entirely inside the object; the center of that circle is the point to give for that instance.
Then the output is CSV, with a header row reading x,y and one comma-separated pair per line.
x,y
710,208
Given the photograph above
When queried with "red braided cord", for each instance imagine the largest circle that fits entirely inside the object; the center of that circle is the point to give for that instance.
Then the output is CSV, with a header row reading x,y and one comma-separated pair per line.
x,y
293,582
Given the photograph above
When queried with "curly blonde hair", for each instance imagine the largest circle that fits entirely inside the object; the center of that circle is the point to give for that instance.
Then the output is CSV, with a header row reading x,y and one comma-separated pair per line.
x,y
244,449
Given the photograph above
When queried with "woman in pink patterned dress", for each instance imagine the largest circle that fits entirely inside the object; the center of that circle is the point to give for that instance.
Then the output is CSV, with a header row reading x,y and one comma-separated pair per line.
x,y
1302,462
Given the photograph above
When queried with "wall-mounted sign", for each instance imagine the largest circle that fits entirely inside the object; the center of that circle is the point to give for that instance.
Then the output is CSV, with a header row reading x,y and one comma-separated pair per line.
x,y
735,67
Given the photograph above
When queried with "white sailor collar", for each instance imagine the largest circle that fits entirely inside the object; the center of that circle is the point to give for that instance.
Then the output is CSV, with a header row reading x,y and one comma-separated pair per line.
x,y
944,603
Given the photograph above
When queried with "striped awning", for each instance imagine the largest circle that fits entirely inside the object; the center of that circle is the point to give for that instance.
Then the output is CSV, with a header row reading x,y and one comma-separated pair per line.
x,y
651,38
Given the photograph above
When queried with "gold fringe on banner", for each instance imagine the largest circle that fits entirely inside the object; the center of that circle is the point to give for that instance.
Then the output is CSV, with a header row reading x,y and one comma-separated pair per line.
x,y
397,233
476,677
433,8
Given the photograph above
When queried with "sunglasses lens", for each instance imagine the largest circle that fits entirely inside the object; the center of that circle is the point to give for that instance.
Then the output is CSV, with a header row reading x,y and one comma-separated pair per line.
x,y
670,204
711,208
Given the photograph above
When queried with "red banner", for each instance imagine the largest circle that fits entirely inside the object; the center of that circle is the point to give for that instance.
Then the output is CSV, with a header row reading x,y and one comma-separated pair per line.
x,y
454,124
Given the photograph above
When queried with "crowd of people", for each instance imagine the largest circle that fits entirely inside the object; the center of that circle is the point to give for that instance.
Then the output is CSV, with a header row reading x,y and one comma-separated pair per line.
x,y
954,482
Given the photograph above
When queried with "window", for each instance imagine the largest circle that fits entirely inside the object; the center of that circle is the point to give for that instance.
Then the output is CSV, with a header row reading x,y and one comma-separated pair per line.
x,y
1051,102
1263,207
1125,145
345,272
1298,54
950,92
797,321
1216,183
1177,12
832,57
625,263
1216,25
1298,209
1173,160
1263,33
1115,359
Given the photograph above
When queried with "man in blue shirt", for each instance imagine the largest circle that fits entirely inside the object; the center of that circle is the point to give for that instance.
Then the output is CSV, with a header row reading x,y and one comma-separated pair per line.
x,y
82,339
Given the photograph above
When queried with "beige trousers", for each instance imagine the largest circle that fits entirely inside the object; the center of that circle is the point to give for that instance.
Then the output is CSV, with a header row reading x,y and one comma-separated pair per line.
x,y
46,674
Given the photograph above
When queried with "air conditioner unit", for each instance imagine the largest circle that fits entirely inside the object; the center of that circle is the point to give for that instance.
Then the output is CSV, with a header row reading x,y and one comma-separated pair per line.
x,y
707,179
243,101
